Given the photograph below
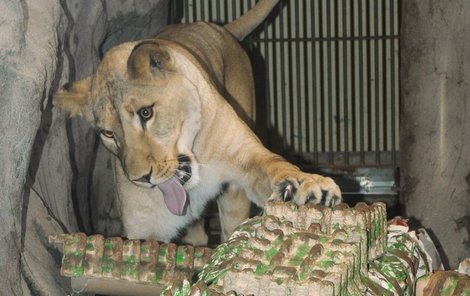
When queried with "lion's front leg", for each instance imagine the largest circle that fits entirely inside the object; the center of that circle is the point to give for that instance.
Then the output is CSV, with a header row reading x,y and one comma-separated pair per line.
x,y
288,182
196,234
304,188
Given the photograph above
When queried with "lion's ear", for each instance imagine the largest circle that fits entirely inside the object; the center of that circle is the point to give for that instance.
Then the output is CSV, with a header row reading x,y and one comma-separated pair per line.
x,y
148,61
75,98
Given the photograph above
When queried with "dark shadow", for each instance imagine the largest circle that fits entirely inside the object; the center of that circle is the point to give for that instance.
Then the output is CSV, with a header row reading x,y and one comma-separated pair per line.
x,y
414,223
175,11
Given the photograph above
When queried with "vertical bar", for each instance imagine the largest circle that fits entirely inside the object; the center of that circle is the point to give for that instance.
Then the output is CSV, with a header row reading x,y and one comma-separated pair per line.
x,y
369,76
275,71
300,98
337,86
283,79
210,12
203,11
345,87
186,11
392,80
335,113
268,71
234,10
353,77
218,10
171,9
322,78
225,5
290,77
329,83
377,90
314,90
194,11
385,77
306,78
362,134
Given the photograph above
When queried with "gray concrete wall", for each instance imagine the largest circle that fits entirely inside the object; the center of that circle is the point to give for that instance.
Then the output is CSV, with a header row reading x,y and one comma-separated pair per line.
x,y
435,122
54,174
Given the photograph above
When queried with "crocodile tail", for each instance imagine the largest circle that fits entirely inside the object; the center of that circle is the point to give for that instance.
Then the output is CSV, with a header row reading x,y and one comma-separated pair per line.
x,y
246,23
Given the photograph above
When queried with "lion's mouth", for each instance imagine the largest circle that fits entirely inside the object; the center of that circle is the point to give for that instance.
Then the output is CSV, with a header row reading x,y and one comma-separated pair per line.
x,y
183,172
175,196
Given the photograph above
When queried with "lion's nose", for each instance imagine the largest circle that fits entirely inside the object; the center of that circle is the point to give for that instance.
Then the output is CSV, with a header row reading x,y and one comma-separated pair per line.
x,y
145,178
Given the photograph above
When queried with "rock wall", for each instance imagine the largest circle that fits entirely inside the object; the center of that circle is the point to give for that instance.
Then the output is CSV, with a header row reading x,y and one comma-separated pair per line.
x,y
435,135
49,162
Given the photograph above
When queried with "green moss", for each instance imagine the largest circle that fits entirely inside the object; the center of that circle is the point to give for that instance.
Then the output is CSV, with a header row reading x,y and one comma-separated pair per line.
x,y
145,258
270,253
261,269
159,274
303,275
131,259
180,256
279,281
393,267
397,246
213,276
327,263
186,288
198,253
108,244
90,247
163,251
378,228
129,270
289,291
74,239
107,264
277,242
449,290
144,249
78,271
77,253
323,238
302,251
221,260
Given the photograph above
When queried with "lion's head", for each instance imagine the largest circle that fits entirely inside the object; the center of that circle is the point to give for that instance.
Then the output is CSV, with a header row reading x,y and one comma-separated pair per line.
x,y
147,113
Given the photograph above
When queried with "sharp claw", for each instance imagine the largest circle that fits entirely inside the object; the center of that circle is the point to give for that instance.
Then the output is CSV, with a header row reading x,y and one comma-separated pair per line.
x,y
325,192
310,197
287,193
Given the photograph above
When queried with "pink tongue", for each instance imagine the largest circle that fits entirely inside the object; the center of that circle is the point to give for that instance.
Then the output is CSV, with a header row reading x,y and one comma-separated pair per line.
x,y
174,195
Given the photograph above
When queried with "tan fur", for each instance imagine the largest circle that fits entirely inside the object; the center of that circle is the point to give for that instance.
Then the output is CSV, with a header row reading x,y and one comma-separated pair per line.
x,y
198,82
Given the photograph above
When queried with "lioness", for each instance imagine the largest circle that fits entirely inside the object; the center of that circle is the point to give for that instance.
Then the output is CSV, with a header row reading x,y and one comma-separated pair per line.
x,y
170,109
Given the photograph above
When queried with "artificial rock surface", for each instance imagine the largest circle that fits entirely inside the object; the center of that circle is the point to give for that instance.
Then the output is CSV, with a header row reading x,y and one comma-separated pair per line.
x,y
435,121
46,158
290,250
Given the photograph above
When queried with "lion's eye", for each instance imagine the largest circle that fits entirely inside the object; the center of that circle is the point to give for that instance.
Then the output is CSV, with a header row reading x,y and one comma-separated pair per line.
x,y
107,133
145,113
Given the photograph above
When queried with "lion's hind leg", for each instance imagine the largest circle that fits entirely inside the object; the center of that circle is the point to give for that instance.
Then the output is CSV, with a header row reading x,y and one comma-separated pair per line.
x,y
234,208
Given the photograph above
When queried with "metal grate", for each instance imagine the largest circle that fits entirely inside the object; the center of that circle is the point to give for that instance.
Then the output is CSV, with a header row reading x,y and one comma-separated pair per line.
x,y
326,73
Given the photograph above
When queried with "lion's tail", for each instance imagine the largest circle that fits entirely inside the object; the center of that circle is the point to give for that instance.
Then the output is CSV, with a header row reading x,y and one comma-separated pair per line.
x,y
246,23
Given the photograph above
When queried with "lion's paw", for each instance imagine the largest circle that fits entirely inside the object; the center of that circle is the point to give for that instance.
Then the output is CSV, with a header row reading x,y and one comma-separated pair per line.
x,y
307,188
